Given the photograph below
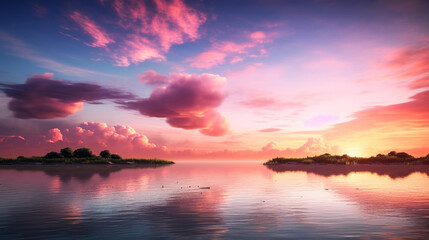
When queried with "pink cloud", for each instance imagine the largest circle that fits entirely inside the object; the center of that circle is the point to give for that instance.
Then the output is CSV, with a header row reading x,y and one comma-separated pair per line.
x,y
263,100
258,36
406,123
43,97
422,82
266,130
175,21
235,52
100,36
148,29
410,65
153,78
208,59
54,135
236,59
188,102
10,141
414,112
154,30
137,49
97,136
271,146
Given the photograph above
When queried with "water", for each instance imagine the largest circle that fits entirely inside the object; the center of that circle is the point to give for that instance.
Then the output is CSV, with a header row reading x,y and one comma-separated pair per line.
x,y
245,201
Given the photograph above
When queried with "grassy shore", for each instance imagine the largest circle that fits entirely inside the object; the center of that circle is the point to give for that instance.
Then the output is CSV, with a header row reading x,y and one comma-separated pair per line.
x,y
84,160
391,158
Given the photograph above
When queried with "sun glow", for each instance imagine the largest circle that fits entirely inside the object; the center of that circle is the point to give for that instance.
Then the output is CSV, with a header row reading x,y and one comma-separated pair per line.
x,y
354,152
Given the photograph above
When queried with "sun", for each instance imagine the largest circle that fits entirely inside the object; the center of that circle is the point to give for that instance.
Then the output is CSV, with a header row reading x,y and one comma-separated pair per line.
x,y
354,152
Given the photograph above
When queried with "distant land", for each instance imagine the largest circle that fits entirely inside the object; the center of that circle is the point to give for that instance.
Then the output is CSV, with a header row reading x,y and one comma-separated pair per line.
x,y
391,158
80,156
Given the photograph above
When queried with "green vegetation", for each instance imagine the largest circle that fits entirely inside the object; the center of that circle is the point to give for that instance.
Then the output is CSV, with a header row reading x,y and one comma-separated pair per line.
x,y
80,156
391,158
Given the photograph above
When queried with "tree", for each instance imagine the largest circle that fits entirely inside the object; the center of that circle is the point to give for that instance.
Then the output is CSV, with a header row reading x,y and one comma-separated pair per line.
x,y
115,156
392,154
83,153
53,155
403,155
67,152
105,154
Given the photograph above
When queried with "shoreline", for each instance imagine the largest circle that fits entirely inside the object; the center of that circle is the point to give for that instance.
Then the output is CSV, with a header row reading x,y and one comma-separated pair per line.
x,y
392,158
38,161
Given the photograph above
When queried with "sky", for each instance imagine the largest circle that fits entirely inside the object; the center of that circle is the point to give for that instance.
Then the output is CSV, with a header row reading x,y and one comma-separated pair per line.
x,y
216,80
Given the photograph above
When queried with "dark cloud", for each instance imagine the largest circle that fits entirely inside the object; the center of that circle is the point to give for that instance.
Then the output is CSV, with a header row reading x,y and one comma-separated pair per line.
x,y
187,102
42,97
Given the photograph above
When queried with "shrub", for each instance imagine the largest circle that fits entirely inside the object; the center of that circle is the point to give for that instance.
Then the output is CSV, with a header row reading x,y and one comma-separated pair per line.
x,y
53,155
67,152
115,156
105,154
83,153
403,155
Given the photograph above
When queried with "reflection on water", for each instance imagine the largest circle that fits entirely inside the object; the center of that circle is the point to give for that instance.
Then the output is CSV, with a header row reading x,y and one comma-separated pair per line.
x,y
245,200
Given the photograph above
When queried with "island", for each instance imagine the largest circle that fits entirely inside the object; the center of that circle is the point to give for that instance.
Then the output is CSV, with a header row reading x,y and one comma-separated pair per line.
x,y
81,156
391,158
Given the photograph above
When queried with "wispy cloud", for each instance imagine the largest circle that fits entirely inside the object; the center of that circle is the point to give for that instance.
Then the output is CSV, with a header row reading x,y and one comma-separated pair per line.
x,y
100,36
259,99
234,52
21,49
147,33
410,65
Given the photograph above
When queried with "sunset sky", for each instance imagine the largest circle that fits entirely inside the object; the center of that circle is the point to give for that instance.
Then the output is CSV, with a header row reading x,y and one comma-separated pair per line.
x,y
214,79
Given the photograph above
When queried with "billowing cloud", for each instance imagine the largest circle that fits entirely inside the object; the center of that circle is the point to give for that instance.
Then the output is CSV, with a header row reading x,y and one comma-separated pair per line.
x,y
100,36
100,135
54,135
187,102
235,52
43,97
312,147
97,136
271,146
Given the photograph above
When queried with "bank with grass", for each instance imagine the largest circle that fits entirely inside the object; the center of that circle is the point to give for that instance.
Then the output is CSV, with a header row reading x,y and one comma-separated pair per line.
x,y
81,156
391,158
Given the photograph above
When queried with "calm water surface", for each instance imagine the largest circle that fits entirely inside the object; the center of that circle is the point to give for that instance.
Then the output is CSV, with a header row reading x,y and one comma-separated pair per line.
x,y
245,201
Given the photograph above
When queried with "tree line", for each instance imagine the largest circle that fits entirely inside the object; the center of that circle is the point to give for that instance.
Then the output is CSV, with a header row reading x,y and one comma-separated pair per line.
x,y
81,153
